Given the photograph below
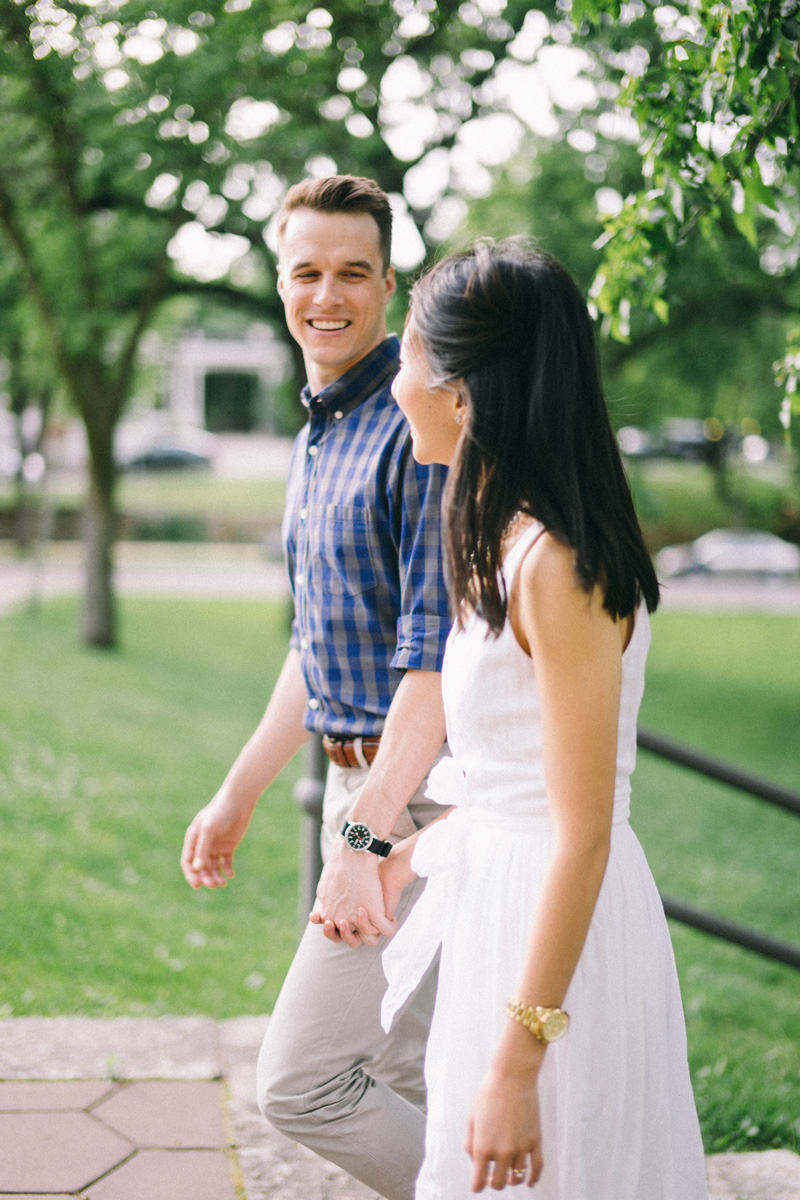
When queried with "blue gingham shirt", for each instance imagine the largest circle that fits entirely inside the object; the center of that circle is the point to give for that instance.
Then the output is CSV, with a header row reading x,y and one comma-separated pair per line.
x,y
362,536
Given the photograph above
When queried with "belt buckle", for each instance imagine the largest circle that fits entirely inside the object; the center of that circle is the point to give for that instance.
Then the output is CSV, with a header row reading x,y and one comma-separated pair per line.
x,y
336,749
346,749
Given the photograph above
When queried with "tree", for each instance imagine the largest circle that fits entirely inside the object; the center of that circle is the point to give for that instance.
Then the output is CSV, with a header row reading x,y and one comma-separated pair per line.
x,y
143,154
713,89
131,143
727,318
29,387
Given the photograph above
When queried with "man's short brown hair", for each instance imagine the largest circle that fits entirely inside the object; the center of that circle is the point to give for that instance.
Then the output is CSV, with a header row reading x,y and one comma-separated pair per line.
x,y
342,194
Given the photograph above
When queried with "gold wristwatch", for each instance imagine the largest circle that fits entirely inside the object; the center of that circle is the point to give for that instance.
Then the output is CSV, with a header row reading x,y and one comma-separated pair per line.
x,y
546,1024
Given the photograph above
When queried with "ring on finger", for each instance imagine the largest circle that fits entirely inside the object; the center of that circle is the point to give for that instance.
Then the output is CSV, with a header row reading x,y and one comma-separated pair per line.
x,y
516,1174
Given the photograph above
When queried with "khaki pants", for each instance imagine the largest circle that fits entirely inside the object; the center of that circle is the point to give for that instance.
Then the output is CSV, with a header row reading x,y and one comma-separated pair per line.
x,y
328,1076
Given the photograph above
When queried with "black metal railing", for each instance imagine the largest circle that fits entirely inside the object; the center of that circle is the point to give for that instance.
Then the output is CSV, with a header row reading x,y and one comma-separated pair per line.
x,y
753,785
308,793
714,768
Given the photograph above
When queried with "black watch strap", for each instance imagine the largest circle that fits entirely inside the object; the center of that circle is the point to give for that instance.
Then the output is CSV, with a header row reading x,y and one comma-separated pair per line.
x,y
357,839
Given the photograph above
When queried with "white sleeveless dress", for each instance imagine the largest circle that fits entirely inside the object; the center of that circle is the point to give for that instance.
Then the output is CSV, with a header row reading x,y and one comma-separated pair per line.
x,y
617,1112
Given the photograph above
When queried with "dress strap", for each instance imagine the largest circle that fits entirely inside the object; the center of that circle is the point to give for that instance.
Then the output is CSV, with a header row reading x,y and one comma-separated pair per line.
x,y
514,557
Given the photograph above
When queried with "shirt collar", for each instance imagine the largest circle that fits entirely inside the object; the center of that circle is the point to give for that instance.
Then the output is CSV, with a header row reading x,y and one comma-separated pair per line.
x,y
368,376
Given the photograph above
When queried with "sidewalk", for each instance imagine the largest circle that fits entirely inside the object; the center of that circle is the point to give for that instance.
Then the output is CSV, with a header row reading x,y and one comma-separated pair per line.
x,y
224,571
136,1109
164,1109
230,570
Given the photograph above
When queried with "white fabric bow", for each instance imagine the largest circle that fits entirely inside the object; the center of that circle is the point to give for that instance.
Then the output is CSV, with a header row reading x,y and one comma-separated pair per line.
x,y
436,854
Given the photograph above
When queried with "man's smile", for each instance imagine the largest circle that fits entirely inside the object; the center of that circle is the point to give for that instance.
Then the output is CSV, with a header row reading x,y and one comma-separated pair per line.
x,y
327,326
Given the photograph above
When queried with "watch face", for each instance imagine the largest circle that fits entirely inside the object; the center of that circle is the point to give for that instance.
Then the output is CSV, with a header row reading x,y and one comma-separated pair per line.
x,y
554,1024
358,836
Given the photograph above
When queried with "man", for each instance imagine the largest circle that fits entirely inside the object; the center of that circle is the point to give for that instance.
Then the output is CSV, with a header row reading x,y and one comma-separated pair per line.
x,y
361,531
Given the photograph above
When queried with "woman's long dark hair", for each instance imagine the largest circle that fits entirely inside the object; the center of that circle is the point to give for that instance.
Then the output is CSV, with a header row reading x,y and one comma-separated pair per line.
x,y
510,322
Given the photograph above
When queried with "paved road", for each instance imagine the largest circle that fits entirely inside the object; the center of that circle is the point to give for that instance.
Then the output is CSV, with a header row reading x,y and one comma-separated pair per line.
x,y
732,594
231,571
224,571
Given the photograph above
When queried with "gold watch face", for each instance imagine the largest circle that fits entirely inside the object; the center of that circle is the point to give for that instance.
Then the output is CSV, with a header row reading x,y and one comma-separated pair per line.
x,y
554,1023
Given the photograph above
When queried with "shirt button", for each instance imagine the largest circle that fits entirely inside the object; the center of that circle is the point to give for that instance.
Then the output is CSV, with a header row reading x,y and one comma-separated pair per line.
x,y
303,643
313,704
303,514
312,450
338,415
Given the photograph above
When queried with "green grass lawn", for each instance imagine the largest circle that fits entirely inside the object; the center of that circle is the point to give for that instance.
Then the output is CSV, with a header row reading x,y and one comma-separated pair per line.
x,y
177,506
730,685
181,493
676,502
104,759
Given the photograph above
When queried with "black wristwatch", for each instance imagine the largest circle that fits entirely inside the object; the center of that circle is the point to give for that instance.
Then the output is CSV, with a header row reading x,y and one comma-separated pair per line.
x,y
360,837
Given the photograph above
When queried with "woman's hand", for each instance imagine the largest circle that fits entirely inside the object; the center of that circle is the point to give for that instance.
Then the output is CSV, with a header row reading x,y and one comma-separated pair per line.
x,y
503,1136
395,873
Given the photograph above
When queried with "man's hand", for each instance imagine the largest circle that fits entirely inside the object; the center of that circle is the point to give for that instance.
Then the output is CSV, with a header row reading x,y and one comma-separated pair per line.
x,y
350,904
212,837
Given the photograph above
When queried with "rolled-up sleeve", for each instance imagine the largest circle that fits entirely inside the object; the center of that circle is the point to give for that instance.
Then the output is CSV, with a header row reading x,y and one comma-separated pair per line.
x,y
424,621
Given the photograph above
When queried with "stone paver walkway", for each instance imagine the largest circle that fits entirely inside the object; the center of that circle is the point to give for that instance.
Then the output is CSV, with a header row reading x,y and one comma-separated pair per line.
x,y
136,1109
164,1109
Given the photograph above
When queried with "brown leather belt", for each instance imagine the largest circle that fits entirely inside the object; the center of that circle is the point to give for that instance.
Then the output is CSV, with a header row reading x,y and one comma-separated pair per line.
x,y
351,752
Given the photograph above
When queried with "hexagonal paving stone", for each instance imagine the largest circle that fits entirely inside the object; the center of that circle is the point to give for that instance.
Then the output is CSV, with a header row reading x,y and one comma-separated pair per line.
x,y
49,1097
169,1175
172,1114
56,1152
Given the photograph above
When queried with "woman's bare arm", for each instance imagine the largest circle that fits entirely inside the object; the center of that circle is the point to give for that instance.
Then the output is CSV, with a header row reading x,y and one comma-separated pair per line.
x,y
576,650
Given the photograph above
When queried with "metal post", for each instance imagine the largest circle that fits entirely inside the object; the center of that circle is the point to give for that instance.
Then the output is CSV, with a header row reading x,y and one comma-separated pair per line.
x,y
308,793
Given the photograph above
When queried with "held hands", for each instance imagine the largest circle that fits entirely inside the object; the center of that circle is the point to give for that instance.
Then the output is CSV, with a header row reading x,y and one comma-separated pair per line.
x,y
350,902
212,837
393,875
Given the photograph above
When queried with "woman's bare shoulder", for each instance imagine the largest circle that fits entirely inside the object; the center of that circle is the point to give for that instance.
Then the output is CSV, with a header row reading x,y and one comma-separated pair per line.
x,y
551,605
549,566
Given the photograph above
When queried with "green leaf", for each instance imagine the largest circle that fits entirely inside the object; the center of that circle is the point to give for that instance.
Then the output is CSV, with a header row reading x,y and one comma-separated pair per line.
x,y
746,225
756,190
661,309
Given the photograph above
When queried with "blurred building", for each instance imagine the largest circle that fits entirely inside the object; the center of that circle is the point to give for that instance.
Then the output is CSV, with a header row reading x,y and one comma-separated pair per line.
x,y
226,385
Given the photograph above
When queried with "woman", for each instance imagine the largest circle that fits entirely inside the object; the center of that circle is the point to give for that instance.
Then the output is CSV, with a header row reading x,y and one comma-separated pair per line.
x,y
538,891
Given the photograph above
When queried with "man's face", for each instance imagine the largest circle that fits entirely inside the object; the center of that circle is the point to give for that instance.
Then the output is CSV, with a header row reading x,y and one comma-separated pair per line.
x,y
334,289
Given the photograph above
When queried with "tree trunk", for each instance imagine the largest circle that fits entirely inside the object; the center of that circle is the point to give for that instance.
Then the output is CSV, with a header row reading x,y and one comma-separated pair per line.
x,y
24,509
98,616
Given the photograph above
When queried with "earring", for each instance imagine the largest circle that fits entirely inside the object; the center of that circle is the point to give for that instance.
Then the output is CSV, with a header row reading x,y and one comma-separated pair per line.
x,y
458,418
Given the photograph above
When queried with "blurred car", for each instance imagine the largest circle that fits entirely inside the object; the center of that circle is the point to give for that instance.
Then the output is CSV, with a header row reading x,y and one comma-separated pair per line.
x,y
166,458
685,438
730,552
172,449
639,443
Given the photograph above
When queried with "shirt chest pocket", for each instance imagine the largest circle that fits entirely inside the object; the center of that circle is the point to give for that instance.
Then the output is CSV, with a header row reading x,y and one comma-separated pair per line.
x,y
349,552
